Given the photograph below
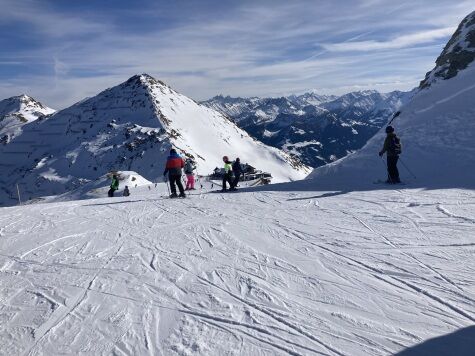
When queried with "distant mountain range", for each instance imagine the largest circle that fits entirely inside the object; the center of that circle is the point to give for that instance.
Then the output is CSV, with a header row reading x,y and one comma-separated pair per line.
x,y
317,129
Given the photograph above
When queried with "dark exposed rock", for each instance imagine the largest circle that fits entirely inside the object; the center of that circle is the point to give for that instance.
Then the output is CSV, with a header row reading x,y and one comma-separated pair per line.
x,y
457,55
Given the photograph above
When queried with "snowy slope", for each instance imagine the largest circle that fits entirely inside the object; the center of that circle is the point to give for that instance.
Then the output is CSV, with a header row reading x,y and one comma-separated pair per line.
x,y
286,273
207,135
290,272
437,129
294,272
129,127
17,111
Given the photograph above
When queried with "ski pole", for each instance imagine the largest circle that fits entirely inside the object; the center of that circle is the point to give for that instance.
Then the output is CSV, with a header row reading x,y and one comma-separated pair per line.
x,y
18,192
168,188
407,169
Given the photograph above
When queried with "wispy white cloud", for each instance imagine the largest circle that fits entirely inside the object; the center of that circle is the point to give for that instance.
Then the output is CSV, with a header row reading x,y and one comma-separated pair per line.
x,y
249,48
403,41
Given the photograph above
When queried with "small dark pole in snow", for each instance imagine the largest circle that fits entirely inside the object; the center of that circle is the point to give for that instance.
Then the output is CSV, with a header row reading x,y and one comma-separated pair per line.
x,y
18,192
385,167
168,188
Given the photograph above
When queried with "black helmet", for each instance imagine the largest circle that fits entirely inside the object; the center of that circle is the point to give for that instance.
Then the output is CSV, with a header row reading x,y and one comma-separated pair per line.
x,y
173,151
389,129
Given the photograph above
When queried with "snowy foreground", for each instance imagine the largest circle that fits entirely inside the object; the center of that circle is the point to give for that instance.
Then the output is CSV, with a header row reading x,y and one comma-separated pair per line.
x,y
256,273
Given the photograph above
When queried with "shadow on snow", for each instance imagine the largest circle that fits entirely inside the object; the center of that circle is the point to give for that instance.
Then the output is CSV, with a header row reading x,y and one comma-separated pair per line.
x,y
460,343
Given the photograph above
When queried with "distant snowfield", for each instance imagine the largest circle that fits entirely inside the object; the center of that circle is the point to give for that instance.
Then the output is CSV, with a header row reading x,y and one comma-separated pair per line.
x,y
249,273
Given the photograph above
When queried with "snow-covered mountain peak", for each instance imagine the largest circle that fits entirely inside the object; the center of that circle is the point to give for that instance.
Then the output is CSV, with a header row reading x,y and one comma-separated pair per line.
x,y
26,108
129,127
311,98
457,55
17,111
146,81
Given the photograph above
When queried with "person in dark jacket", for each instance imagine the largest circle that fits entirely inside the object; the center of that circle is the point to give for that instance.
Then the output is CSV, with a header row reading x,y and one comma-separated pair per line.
x,y
174,168
114,186
126,192
228,173
392,151
237,171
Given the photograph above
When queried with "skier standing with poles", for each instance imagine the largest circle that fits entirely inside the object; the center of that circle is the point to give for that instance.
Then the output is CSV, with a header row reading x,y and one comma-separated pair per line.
x,y
174,169
392,148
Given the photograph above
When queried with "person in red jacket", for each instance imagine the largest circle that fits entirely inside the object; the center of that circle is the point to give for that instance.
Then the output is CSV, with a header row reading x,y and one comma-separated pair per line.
x,y
174,168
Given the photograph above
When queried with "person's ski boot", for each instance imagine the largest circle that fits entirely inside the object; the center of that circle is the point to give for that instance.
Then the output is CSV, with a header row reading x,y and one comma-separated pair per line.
x,y
182,195
173,195
389,181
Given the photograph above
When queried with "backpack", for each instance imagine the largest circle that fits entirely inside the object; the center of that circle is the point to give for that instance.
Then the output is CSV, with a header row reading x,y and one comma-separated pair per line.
x,y
188,168
395,145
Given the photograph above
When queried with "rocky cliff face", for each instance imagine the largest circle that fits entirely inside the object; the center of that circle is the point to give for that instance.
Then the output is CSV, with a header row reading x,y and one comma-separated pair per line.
x,y
457,55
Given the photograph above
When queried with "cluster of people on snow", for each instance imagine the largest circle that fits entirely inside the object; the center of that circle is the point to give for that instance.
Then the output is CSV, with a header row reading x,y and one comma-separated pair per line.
x,y
115,186
174,168
175,164
232,173
233,170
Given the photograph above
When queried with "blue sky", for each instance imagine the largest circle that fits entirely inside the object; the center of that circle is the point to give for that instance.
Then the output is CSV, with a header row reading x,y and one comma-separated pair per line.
x,y
64,50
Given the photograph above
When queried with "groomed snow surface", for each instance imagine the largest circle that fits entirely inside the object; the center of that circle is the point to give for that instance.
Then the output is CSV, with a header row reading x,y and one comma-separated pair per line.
x,y
247,273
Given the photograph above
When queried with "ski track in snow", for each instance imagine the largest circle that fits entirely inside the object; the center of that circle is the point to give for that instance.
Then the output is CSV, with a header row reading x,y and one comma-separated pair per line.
x,y
244,273
445,100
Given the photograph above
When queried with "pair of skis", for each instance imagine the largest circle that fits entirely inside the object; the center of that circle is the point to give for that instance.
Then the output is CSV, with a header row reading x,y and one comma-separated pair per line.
x,y
382,181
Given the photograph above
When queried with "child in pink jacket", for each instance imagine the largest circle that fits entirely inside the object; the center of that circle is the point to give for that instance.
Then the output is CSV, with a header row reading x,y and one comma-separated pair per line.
x,y
190,178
